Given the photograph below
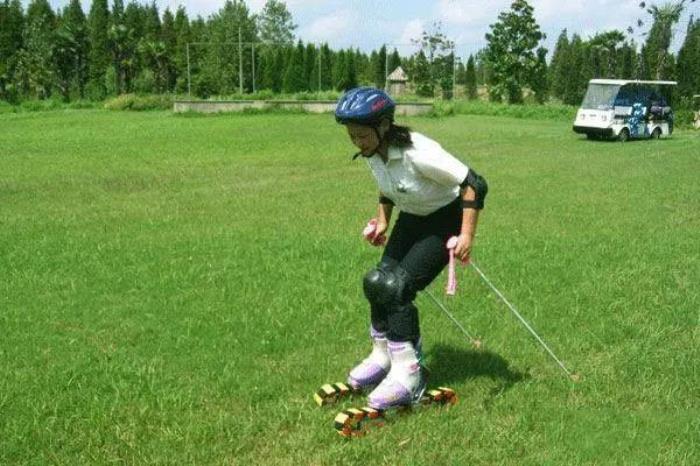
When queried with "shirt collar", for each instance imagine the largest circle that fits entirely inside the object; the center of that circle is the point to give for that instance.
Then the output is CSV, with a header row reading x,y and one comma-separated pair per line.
x,y
394,153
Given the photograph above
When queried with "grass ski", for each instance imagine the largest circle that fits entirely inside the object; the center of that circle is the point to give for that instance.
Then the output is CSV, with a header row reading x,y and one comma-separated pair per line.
x,y
331,393
356,422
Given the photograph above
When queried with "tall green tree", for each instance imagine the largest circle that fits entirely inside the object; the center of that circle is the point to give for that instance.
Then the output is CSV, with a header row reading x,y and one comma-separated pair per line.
x,y
71,51
349,79
169,38
99,56
655,52
577,75
294,80
275,24
35,65
310,67
394,61
326,67
125,30
628,61
151,49
470,78
344,70
511,51
116,26
201,79
461,74
421,75
605,53
688,65
380,68
438,50
182,38
559,67
363,68
152,23
483,68
41,10
11,41
230,70
280,66
267,68
117,11
339,65
539,82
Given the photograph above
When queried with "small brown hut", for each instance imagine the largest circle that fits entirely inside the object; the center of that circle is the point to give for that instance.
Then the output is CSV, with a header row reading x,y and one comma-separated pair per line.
x,y
397,82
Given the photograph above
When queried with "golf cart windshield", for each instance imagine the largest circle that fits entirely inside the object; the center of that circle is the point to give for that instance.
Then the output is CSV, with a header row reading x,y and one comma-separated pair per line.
x,y
600,96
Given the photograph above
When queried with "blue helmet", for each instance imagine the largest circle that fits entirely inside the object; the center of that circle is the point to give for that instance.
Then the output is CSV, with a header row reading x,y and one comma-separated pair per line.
x,y
364,106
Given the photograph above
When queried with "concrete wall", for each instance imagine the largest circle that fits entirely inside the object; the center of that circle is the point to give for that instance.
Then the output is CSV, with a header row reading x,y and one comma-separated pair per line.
x,y
312,106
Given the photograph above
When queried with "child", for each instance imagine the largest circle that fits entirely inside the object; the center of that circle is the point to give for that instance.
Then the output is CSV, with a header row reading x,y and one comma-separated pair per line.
x,y
439,197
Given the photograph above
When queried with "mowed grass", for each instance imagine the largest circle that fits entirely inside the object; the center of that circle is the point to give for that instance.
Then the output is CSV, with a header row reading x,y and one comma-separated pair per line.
x,y
174,289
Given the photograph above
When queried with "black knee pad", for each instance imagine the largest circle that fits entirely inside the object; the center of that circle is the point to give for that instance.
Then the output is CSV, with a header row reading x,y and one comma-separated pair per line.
x,y
383,286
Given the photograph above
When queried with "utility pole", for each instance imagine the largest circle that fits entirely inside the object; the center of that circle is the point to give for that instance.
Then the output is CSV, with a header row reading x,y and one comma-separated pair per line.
x,y
189,76
240,62
319,68
454,74
386,68
252,47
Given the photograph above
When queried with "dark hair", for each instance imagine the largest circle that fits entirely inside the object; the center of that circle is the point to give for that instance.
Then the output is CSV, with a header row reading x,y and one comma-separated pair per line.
x,y
399,136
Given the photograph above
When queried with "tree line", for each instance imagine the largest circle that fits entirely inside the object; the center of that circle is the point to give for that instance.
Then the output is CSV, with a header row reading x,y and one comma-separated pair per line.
x,y
514,58
127,48
613,54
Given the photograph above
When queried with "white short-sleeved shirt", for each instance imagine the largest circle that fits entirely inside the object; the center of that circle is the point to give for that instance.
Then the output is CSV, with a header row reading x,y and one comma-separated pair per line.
x,y
420,178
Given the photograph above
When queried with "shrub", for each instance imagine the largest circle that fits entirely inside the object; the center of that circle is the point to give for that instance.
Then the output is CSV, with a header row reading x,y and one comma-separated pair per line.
x,y
683,118
537,112
40,105
266,94
139,102
442,108
83,104
6,107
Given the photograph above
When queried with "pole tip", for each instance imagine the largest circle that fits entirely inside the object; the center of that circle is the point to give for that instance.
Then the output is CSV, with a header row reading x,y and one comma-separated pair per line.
x,y
477,343
575,377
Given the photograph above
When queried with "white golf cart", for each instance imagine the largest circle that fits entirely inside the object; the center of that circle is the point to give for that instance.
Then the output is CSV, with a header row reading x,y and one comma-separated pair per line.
x,y
624,109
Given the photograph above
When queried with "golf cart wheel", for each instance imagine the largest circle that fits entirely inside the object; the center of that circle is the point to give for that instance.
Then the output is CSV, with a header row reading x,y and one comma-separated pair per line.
x,y
624,135
656,134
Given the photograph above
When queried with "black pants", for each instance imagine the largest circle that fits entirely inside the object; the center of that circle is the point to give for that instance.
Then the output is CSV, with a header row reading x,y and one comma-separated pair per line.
x,y
415,254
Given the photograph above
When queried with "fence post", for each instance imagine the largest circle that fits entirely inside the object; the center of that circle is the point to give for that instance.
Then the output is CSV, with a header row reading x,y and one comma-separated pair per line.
x,y
189,77
386,68
252,48
240,63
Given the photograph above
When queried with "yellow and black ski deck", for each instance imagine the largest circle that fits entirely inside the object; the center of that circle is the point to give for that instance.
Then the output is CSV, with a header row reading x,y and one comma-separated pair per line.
x,y
356,422
334,392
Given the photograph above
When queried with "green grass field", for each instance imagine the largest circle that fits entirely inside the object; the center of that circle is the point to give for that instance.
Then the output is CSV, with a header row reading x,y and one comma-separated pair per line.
x,y
174,289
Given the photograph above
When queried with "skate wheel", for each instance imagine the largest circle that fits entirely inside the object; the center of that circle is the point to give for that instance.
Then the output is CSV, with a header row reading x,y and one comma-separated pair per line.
x,y
442,395
330,393
449,396
350,423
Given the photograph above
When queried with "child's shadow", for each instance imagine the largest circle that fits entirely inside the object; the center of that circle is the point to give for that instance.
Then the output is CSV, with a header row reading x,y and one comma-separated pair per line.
x,y
450,365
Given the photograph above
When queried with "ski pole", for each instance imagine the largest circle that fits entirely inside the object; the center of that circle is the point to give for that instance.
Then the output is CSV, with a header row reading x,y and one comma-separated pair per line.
x,y
573,376
474,341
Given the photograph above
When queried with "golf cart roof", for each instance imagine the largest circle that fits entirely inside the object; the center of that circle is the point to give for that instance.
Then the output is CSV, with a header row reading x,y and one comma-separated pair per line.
x,y
622,82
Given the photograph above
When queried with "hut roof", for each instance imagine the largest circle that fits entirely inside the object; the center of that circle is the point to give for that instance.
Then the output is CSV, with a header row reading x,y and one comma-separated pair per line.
x,y
398,75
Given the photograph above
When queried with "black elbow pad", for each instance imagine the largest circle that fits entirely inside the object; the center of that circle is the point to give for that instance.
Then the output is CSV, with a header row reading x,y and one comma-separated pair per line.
x,y
480,187
385,200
